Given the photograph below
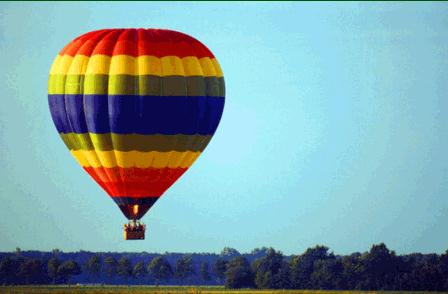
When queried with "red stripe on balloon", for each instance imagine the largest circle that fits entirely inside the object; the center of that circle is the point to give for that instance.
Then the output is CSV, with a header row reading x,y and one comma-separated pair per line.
x,y
137,42
135,182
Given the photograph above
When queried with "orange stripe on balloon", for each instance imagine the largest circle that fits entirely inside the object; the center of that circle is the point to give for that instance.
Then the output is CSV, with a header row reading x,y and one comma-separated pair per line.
x,y
135,182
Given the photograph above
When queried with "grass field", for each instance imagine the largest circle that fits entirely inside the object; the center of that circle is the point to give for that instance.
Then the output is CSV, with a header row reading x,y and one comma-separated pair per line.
x,y
165,289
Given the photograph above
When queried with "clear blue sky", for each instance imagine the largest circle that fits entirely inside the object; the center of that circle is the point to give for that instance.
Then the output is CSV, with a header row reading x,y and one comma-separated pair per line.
x,y
335,130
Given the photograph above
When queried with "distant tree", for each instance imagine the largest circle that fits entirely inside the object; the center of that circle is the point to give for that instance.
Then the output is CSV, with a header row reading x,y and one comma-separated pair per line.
x,y
229,252
184,268
204,272
431,277
376,270
32,272
52,269
68,269
56,252
219,269
124,268
270,271
139,271
5,266
259,252
427,273
111,265
302,266
352,271
160,269
408,277
239,274
93,265
327,274
444,268
380,266
8,270
282,279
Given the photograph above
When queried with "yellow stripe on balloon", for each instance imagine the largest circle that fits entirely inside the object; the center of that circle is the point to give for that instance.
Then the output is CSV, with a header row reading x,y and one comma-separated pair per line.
x,y
61,64
122,64
208,66
99,64
147,64
192,66
218,69
55,65
154,159
141,65
78,65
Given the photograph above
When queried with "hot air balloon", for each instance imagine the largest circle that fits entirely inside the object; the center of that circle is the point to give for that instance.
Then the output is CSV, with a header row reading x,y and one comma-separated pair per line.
x,y
135,107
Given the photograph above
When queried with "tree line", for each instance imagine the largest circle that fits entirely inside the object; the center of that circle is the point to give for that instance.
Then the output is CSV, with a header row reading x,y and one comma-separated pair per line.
x,y
265,268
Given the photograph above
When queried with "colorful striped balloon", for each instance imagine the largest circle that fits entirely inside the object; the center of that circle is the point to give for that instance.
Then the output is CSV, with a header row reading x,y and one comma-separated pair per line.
x,y
136,107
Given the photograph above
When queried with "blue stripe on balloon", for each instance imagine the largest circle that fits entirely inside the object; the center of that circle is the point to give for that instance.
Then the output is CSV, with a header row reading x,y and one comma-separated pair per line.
x,y
124,114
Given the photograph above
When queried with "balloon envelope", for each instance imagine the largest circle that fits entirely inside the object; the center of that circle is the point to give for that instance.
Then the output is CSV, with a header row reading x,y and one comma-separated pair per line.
x,y
136,107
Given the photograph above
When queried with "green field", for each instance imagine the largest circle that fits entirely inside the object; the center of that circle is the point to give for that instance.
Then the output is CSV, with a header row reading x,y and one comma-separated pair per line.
x,y
165,289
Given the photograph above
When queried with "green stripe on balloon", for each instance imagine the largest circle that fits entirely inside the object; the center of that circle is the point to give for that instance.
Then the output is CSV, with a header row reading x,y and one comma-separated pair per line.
x,y
135,142
137,85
